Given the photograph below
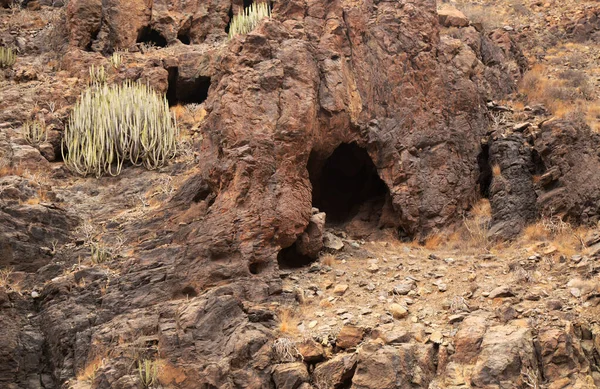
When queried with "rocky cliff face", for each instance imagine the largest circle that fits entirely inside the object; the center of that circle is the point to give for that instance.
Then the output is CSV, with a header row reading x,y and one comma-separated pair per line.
x,y
360,109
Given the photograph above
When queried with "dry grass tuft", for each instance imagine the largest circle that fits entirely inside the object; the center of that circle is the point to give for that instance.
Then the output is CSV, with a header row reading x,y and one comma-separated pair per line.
x,y
433,241
472,235
88,373
555,234
496,171
328,260
287,321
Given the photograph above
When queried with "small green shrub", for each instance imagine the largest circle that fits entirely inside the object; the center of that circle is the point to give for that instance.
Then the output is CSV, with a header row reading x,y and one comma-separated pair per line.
x,y
246,21
113,124
7,57
35,132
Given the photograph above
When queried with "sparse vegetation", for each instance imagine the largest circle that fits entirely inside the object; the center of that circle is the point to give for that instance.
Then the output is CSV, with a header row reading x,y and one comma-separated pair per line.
x,y
35,132
116,59
246,21
287,320
113,124
148,372
7,57
556,234
285,350
97,75
99,253
88,373
328,260
5,277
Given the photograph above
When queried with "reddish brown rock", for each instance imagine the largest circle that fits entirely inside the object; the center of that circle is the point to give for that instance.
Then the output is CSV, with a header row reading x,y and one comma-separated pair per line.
x,y
290,375
83,21
405,366
505,352
449,16
311,351
570,150
335,372
349,337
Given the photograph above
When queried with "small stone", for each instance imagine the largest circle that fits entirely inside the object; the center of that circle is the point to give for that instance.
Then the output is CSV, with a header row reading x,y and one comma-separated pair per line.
x,y
574,291
35,294
442,287
332,242
370,287
501,291
396,336
456,318
340,289
436,337
554,305
398,311
373,268
312,324
403,288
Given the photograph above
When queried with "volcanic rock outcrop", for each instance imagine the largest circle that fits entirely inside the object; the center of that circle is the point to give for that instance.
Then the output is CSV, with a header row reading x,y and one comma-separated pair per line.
x,y
367,92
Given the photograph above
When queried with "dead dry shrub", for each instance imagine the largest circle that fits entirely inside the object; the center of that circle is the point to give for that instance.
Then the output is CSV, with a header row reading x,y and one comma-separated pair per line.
x,y
552,230
472,233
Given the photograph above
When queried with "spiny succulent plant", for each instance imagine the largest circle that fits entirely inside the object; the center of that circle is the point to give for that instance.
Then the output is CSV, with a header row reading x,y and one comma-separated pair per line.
x,y
35,132
113,124
116,59
246,21
98,75
7,57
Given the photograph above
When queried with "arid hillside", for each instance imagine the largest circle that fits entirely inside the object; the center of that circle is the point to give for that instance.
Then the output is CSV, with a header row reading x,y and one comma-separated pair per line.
x,y
299,194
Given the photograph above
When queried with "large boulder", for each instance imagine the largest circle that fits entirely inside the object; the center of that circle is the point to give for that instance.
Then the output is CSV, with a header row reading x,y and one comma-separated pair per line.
x,y
569,161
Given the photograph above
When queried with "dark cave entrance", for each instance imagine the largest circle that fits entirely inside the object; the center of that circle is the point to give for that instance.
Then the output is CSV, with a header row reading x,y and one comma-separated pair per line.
x,y
485,171
290,258
344,182
152,37
184,36
185,90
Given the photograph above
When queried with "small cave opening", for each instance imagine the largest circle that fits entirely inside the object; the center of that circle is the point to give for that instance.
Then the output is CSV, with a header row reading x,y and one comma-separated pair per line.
x,y
184,36
485,171
185,90
93,38
230,15
344,182
151,36
290,258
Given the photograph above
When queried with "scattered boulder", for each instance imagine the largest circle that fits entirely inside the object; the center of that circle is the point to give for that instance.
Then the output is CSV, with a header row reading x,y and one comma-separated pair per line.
x,y
311,351
290,375
335,372
449,16
349,337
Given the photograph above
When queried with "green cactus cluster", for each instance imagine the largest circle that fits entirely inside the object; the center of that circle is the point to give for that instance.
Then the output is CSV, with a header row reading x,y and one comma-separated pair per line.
x,y
7,57
113,124
246,21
